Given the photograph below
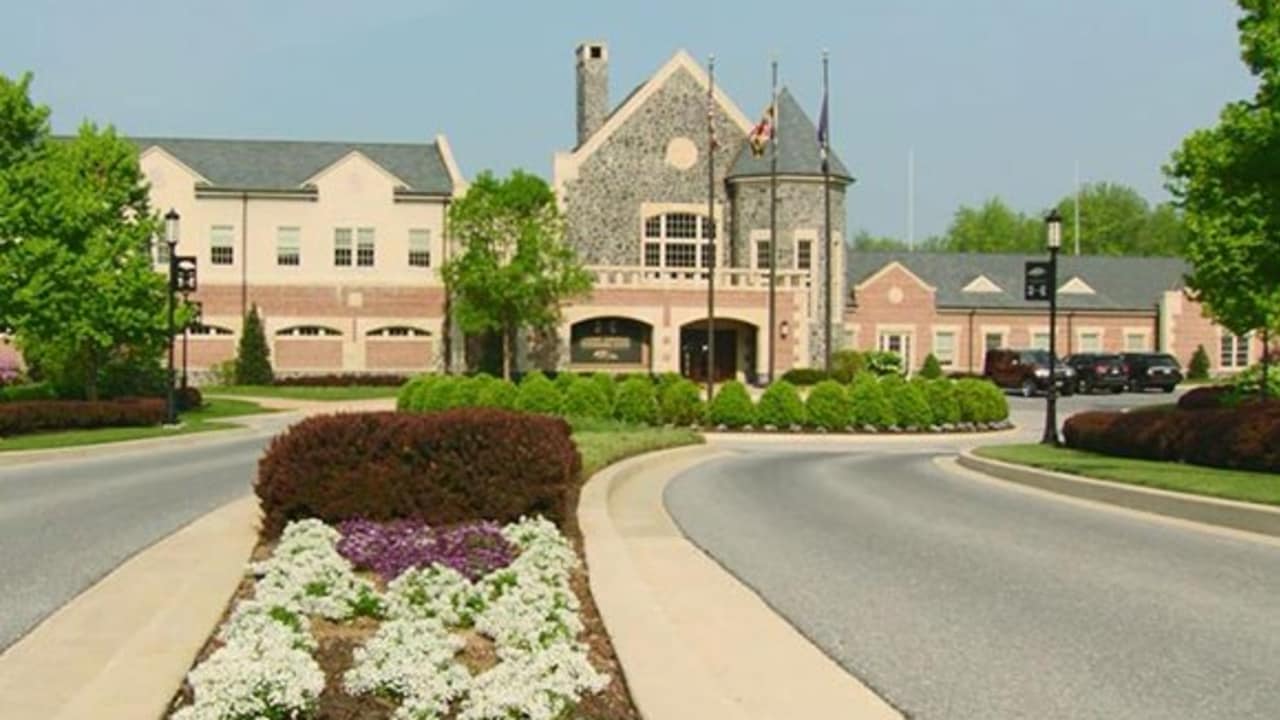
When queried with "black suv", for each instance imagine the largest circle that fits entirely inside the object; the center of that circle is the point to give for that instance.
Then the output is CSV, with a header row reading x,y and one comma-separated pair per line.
x,y
1152,370
1099,371
1028,371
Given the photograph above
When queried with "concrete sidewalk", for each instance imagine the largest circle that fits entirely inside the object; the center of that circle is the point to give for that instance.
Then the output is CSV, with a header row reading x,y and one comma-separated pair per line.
x,y
120,649
694,641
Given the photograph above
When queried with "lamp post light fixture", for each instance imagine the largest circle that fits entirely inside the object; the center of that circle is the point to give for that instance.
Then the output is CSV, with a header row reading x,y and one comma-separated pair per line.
x,y
171,219
1053,239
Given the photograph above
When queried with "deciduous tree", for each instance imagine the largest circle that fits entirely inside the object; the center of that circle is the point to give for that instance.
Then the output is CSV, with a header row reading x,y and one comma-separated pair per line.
x,y
513,269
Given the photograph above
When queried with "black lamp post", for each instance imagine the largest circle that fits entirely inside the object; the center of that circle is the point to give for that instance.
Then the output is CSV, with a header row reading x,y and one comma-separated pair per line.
x,y
171,239
1053,230
197,312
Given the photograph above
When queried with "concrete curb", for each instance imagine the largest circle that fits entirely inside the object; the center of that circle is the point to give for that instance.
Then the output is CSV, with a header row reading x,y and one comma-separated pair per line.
x,y
121,648
124,447
1210,511
692,640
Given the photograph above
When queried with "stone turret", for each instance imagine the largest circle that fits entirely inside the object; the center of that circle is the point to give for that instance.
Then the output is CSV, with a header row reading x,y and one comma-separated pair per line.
x,y
593,88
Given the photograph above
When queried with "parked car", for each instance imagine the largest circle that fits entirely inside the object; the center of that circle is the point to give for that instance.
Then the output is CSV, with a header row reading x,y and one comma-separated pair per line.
x,y
1152,370
1099,371
1027,371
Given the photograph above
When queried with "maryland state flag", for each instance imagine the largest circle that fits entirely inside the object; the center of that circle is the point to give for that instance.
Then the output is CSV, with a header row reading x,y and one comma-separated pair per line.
x,y
762,133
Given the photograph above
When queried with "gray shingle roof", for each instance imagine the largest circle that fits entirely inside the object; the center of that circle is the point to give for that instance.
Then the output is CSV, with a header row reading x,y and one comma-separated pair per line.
x,y
798,152
287,164
1120,283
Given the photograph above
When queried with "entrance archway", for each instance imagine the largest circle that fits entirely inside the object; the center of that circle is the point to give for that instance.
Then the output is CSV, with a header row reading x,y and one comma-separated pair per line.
x,y
735,356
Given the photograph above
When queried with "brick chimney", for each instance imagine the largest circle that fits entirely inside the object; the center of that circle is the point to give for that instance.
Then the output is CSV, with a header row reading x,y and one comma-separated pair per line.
x,y
593,88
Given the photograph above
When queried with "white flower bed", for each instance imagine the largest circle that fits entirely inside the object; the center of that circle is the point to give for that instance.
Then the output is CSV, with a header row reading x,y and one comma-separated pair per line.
x,y
265,667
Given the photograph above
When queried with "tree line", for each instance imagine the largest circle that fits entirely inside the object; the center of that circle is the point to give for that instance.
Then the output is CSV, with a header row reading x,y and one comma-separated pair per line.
x,y
1114,220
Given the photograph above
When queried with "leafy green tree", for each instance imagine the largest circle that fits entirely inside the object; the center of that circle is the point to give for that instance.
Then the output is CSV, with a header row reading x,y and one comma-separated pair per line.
x,y
253,355
1116,220
864,241
514,268
76,277
993,227
1224,179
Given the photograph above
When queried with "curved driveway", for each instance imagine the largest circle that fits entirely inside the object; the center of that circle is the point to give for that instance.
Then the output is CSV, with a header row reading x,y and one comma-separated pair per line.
x,y
956,597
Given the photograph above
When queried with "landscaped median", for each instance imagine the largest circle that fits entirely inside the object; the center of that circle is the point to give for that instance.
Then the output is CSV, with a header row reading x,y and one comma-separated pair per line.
x,y
420,566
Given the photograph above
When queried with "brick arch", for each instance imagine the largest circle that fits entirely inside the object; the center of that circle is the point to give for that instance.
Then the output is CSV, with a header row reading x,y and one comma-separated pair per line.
x,y
611,341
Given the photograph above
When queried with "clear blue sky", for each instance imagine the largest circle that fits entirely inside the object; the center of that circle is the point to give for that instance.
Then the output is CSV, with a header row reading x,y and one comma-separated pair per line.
x,y
998,97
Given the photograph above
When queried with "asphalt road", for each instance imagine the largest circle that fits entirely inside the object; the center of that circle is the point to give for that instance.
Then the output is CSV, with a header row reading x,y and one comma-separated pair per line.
x,y
65,524
955,597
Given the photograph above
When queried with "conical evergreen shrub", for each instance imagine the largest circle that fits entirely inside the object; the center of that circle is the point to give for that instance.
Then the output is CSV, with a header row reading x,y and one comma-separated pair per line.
x,y
253,356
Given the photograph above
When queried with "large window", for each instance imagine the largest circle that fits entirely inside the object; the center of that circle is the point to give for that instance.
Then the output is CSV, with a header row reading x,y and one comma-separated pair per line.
x,y
944,347
1090,342
804,254
222,249
1040,341
1135,342
419,248
342,247
1233,352
673,240
364,247
763,254
288,246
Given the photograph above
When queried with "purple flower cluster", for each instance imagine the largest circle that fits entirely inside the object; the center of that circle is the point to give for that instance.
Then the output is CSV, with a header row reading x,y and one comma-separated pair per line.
x,y
390,548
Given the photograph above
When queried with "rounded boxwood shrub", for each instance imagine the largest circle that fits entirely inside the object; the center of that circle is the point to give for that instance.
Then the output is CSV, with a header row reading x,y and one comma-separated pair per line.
x,y
828,406
538,395
607,384
637,402
780,406
943,405
564,381
467,389
981,401
585,399
404,397
910,409
497,393
680,403
805,376
732,406
440,394
417,395
870,406
442,468
27,392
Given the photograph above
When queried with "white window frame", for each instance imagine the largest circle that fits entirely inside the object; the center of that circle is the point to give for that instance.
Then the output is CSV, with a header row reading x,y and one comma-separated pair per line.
x,y
987,330
704,240
949,359
344,242
1082,333
908,346
1241,346
222,237
288,246
366,247
419,248
1131,332
800,240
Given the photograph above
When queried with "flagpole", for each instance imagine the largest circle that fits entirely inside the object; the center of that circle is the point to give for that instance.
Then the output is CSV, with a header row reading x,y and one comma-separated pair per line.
x,y
826,210
1077,218
773,220
712,235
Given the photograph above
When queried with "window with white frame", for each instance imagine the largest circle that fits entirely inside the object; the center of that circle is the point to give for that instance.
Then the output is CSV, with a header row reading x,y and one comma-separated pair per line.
x,y
342,247
804,254
992,340
288,246
1040,341
1090,341
308,331
364,247
222,249
673,240
419,248
1135,342
763,254
1233,352
397,331
944,347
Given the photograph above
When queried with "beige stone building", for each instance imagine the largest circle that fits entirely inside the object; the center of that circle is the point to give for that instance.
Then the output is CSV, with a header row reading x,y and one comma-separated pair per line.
x,y
337,244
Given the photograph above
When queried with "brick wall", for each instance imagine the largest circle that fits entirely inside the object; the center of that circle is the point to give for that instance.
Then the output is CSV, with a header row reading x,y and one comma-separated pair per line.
x,y
307,354
398,354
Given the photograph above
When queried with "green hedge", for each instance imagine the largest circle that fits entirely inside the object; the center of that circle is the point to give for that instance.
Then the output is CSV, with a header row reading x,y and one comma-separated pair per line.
x,y
941,396
732,406
586,399
981,401
637,402
828,406
910,408
29,392
680,403
538,395
870,406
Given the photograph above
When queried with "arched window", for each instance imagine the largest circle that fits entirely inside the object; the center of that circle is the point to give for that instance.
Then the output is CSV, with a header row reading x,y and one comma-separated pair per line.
x,y
672,240
210,330
308,331
397,331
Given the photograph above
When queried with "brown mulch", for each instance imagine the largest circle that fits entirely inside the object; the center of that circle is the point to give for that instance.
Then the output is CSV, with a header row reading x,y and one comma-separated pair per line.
x,y
337,641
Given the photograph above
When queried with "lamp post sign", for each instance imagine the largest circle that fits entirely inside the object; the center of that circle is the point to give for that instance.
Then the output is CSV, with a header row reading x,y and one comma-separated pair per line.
x,y
1037,281
184,276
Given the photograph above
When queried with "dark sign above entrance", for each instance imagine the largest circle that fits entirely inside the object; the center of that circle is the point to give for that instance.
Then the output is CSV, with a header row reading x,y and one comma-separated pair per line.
x,y
613,341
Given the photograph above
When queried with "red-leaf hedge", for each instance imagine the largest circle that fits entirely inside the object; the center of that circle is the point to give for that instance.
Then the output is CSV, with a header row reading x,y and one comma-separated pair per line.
x,y
1243,438
1208,397
446,467
17,418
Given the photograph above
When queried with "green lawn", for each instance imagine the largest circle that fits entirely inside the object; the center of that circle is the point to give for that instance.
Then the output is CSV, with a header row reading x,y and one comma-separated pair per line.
x,y
327,394
1229,484
205,419
600,448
